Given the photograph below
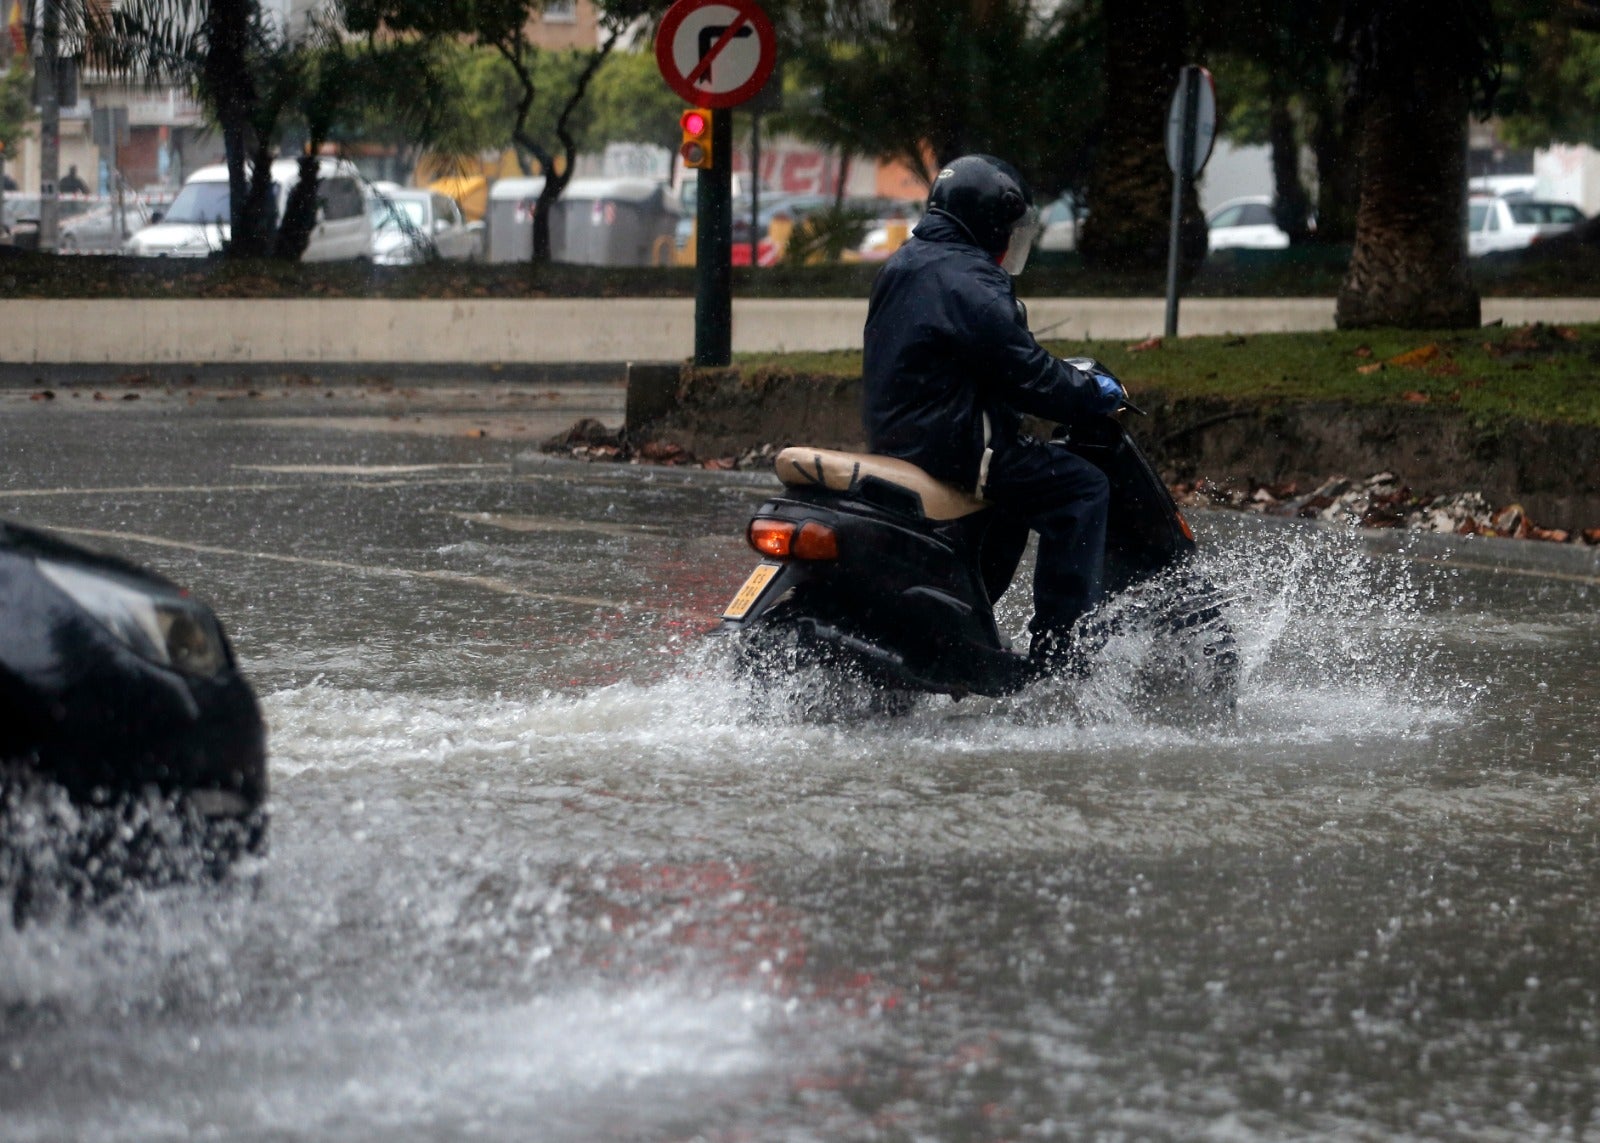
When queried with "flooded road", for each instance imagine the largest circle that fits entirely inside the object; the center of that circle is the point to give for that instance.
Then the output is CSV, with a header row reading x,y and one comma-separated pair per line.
x,y
538,871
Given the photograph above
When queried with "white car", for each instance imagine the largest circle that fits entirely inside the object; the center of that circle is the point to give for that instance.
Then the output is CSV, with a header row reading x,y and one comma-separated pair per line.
x,y
1512,222
1245,224
197,223
1061,219
413,225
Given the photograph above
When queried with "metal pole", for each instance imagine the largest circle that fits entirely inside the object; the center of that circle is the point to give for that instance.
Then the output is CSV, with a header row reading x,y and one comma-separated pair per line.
x,y
713,303
755,189
1180,184
49,80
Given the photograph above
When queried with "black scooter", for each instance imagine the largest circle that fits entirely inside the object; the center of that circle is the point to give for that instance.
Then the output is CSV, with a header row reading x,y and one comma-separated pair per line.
x,y
873,569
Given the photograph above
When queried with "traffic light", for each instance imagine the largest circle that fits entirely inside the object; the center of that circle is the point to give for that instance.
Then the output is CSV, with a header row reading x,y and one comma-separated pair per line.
x,y
696,146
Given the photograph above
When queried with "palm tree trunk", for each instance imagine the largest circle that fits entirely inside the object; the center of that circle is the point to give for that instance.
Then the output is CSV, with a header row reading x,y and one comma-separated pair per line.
x,y
1409,266
1130,187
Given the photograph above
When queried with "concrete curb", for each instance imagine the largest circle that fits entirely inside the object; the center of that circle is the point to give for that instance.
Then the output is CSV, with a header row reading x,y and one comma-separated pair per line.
x,y
552,331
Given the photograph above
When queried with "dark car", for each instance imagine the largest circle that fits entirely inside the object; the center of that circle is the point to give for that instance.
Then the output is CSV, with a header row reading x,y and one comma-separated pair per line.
x,y
130,744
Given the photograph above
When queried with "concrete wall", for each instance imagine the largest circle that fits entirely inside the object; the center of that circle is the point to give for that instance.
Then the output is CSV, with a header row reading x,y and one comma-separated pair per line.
x,y
490,331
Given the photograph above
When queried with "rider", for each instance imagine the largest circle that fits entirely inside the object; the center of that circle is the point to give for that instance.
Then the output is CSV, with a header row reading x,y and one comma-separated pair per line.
x,y
950,368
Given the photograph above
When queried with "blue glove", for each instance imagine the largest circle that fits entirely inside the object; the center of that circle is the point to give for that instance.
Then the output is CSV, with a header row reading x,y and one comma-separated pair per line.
x,y
1112,394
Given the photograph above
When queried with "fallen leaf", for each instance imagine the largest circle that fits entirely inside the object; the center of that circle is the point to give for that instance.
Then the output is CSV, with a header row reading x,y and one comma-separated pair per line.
x,y
1363,351
1419,356
1415,397
1147,343
1375,367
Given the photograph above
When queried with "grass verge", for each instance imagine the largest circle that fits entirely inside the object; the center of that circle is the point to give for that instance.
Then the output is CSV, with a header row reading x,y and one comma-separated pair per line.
x,y
1540,373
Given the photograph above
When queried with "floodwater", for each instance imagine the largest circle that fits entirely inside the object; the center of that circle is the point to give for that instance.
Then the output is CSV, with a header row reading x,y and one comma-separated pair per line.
x,y
540,872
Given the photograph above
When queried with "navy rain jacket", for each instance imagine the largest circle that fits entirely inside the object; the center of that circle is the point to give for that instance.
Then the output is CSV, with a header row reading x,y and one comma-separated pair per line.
x,y
946,342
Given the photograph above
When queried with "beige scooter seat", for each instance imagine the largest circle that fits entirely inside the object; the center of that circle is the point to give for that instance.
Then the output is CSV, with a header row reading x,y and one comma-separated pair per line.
x,y
801,467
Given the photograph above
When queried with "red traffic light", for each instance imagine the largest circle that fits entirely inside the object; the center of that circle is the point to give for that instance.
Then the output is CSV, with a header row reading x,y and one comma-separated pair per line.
x,y
696,145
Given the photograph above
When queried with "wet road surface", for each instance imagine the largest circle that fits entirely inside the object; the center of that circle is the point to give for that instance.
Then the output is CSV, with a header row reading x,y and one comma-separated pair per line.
x,y
537,872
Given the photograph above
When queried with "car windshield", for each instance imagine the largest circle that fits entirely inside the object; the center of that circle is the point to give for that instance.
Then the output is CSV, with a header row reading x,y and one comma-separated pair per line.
x,y
1535,213
203,204
387,215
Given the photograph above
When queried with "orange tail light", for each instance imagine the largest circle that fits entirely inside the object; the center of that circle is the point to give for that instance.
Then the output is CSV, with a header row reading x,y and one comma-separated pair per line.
x,y
782,539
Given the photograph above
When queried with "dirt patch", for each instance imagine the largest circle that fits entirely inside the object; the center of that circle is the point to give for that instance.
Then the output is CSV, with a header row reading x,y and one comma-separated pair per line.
x,y
1552,471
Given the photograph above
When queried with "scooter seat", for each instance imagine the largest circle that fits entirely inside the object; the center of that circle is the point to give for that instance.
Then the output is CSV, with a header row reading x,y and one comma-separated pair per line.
x,y
801,467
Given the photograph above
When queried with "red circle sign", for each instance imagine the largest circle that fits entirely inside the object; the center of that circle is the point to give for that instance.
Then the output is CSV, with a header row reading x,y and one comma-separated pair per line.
x,y
716,53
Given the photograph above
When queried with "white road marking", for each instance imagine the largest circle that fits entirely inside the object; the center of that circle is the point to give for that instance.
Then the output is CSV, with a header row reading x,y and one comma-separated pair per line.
x,y
488,583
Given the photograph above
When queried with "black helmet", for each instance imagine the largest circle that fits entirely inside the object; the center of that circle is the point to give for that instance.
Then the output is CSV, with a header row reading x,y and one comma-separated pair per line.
x,y
992,200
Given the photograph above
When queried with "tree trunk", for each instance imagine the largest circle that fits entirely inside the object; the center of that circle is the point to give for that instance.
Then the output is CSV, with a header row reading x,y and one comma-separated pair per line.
x,y
1333,143
1291,206
226,79
300,212
1409,266
1130,186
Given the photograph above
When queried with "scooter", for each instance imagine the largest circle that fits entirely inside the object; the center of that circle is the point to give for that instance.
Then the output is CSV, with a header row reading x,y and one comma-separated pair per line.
x,y
873,570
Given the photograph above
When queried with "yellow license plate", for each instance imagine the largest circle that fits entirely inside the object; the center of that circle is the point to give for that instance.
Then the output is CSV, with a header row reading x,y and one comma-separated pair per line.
x,y
751,591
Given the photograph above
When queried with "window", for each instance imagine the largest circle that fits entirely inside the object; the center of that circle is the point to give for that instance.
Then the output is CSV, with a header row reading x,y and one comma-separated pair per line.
x,y
339,198
561,12
444,210
1255,214
1477,215
1229,217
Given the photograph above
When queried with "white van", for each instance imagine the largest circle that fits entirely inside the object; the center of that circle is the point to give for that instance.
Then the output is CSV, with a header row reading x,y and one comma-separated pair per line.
x,y
196,224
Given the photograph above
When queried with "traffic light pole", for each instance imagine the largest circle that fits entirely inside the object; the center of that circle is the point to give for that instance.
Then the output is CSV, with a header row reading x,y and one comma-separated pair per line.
x,y
713,300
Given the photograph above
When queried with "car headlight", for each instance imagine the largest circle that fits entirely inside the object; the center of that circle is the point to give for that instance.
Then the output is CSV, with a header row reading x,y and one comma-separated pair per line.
x,y
172,632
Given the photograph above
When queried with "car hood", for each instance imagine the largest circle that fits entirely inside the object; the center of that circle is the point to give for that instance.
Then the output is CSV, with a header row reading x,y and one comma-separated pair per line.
x,y
180,237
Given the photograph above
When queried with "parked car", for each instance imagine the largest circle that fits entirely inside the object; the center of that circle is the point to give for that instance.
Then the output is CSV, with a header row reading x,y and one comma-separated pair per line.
x,y
196,224
1061,219
414,225
1245,223
1513,222
20,218
97,231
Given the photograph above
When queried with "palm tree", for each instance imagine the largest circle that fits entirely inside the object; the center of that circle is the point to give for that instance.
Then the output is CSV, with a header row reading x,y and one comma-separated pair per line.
x,y
1419,66
1130,187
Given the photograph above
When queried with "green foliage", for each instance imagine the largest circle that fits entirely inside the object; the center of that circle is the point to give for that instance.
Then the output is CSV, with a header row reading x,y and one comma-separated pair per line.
x,y
16,104
1551,91
630,103
826,234
1004,76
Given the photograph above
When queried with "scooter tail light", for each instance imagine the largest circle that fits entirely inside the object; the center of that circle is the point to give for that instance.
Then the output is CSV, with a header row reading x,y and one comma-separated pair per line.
x,y
816,542
772,537
1183,526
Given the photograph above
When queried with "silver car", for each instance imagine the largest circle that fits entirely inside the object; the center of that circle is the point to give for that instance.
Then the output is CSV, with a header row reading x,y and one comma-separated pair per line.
x,y
415,225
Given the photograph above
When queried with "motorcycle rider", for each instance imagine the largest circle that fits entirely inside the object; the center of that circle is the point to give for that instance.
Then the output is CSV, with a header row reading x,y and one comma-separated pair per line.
x,y
950,367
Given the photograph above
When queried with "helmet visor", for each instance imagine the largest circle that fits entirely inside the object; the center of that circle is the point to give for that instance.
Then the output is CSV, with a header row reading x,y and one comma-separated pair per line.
x,y
1024,233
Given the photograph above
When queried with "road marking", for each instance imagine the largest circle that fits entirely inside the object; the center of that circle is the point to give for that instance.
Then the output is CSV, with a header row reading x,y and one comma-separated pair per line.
x,y
363,469
513,523
213,489
488,583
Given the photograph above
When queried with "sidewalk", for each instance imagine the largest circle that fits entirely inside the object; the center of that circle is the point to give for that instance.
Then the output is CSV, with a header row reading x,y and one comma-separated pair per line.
x,y
562,331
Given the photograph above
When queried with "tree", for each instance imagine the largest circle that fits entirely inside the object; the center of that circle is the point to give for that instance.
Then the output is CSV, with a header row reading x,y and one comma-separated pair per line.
x,y
549,89
1419,67
901,78
1130,187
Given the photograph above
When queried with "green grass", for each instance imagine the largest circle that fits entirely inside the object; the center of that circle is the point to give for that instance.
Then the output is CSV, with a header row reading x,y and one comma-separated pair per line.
x,y
1536,373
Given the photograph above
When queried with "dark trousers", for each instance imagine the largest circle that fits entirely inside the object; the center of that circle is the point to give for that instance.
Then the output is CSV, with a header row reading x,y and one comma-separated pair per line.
x,y
1064,498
